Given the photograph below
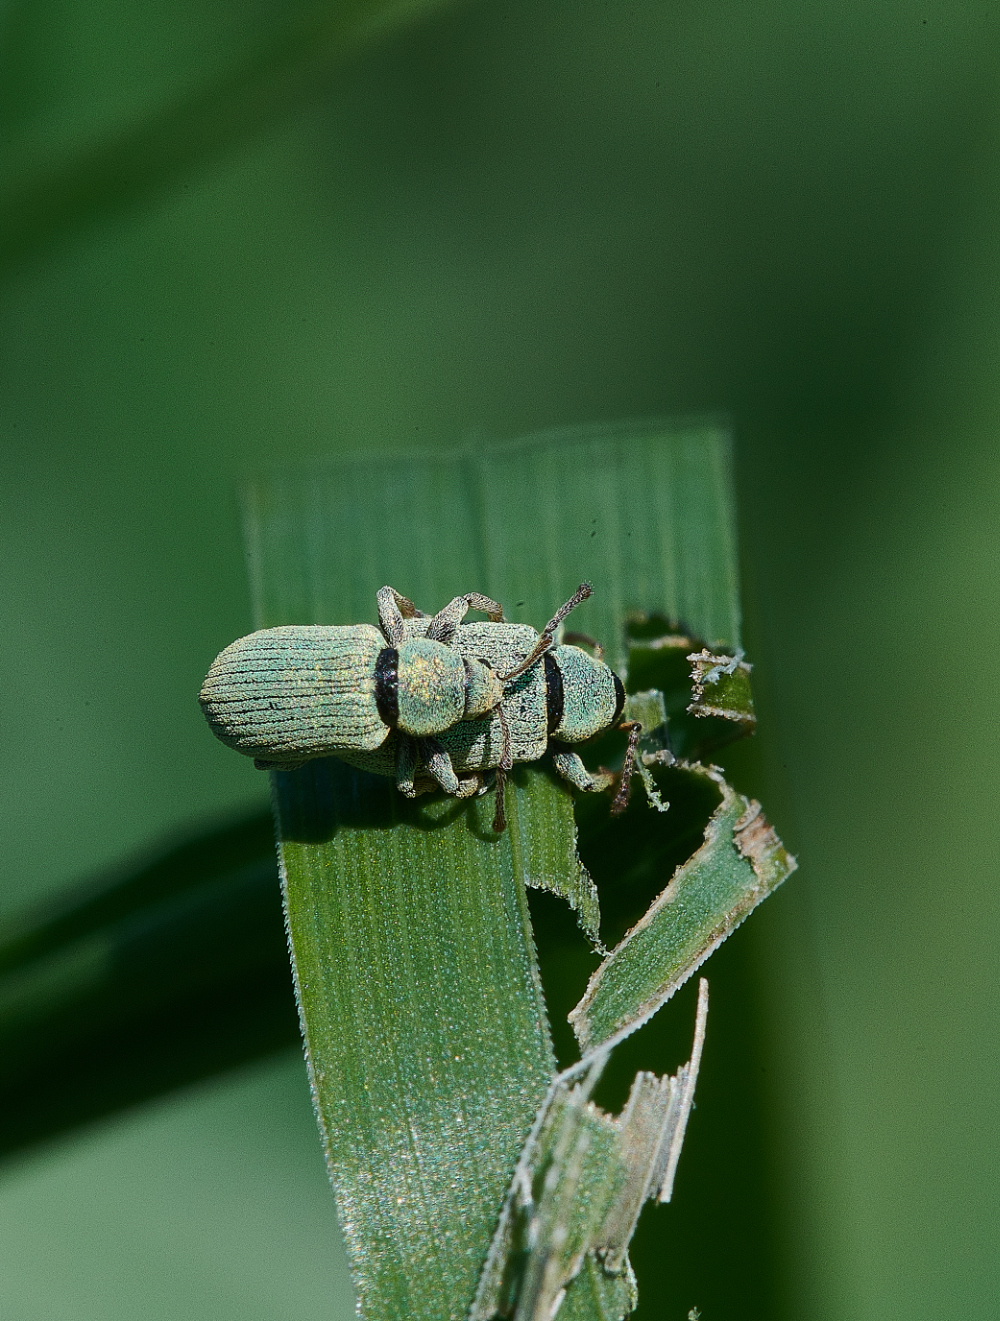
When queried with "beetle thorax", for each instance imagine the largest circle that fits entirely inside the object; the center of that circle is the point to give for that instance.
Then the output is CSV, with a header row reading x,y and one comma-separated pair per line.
x,y
431,687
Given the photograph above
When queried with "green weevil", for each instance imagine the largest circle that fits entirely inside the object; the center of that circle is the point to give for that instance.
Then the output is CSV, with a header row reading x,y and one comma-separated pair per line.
x,y
432,701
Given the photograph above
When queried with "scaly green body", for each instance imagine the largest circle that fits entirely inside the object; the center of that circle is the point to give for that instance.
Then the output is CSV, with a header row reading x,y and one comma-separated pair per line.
x,y
295,693
475,744
428,700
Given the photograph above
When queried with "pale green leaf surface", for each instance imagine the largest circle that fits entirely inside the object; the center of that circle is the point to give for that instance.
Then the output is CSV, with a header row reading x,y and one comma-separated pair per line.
x,y
544,848
720,686
643,511
424,1021
597,1295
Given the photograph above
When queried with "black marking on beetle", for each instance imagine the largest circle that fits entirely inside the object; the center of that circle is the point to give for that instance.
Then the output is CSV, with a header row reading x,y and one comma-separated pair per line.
x,y
620,696
554,695
387,686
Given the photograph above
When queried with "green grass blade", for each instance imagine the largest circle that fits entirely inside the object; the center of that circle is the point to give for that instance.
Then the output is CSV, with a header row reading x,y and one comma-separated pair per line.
x,y
583,1177
543,840
424,1020
596,1295
644,511
580,1184
419,993
721,689
740,862
417,978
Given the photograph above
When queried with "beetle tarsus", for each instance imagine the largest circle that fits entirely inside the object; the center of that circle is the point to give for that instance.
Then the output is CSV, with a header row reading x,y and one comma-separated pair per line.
x,y
406,766
570,766
442,627
620,801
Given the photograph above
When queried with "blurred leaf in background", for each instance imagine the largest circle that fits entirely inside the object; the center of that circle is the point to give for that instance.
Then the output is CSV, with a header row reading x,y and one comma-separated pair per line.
x,y
509,216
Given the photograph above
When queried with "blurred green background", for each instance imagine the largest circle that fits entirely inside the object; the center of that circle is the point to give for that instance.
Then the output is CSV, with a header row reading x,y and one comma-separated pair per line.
x,y
504,216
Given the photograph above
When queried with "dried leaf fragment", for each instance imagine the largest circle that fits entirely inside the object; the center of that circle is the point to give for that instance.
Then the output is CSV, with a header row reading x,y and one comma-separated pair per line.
x,y
758,842
721,687
577,1192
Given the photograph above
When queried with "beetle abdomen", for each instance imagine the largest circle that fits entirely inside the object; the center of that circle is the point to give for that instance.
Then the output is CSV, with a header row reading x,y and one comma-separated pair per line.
x,y
289,694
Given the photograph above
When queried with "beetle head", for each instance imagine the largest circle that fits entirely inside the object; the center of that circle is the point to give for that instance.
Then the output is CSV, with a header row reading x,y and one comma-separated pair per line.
x,y
483,689
584,695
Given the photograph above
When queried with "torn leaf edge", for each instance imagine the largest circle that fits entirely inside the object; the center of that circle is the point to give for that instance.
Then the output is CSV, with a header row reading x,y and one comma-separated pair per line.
x,y
608,1247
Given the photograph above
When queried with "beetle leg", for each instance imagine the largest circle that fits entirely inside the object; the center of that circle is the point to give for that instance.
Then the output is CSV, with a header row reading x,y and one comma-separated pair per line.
x,y
406,766
570,766
621,797
393,608
442,627
437,763
500,813
505,763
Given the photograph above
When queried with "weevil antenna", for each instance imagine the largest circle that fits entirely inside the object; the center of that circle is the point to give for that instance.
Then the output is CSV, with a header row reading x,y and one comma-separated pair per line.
x,y
621,797
503,766
546,637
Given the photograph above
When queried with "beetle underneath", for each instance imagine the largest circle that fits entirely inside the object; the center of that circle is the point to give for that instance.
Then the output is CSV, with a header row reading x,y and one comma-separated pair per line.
x,y
430,700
